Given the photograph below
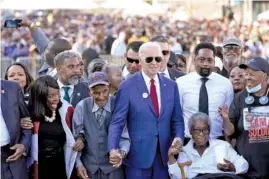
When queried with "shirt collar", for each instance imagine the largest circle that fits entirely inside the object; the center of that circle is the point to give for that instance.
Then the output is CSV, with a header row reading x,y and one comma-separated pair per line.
x,y
189,147
210,77
166,72
62,85
147,78
106,107
125,72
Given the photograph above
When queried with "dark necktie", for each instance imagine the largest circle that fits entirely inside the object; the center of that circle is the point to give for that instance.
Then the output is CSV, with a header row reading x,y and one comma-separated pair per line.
x,y
100,116
154,98
66,95
203,97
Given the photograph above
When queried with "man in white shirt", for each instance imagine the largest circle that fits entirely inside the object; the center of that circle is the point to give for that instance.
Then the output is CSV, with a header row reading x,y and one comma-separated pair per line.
x,y
211,157
205,91
132,63
68,69
170,73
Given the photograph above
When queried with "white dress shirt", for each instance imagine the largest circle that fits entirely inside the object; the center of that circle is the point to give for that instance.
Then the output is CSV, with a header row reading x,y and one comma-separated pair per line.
x,y
125,72
70,91
220,92
5,137
157,85
207,163
165,73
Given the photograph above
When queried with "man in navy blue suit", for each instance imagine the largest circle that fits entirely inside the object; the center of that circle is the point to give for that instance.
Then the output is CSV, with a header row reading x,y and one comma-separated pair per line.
x,y
149,104
14,141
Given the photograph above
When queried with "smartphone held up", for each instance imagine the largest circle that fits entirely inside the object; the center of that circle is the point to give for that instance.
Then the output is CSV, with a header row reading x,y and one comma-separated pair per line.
x,y
12,23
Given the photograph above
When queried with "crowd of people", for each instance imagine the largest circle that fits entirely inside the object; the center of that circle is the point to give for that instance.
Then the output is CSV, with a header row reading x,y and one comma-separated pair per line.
x,y
99,32
153,117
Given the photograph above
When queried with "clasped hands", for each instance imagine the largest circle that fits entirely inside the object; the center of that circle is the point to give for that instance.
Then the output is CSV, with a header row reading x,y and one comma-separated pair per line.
x,y
175,147
116,156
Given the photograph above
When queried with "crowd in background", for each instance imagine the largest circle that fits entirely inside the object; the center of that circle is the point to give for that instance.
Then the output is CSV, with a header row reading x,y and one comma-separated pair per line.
x,y
99,31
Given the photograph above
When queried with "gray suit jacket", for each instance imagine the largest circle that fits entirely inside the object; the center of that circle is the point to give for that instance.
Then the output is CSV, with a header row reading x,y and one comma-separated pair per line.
x,y
13,109
41,42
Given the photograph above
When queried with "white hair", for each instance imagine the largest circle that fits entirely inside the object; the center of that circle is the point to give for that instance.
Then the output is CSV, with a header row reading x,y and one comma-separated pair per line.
x,y
109,67
61,57
147,45
199,116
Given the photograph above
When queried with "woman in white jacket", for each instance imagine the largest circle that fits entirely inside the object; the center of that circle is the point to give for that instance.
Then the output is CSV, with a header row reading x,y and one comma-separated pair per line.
x,y
54,149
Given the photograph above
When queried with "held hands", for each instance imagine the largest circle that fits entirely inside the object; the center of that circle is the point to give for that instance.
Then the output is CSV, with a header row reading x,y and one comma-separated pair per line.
x,y
82,172
19,150
26,123
115,157
224,112
227,167
173,151
176,146
79,145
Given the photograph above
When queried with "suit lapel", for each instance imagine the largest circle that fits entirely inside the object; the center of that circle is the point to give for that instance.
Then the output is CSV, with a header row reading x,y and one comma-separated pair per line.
x,y
162,91
143,90
76,96
172,74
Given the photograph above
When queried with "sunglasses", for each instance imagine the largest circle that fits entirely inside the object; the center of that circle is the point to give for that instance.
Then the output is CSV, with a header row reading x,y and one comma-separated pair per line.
x,y
150,59
130,60
165,52
231,47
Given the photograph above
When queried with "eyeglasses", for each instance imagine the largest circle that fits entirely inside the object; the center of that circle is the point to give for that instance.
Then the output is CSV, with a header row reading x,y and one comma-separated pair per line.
x,y
150,59
165,52
231,47
199,131
130,60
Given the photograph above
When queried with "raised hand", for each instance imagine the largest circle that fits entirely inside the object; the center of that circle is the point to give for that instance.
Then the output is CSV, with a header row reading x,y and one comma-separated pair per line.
x,y
224,112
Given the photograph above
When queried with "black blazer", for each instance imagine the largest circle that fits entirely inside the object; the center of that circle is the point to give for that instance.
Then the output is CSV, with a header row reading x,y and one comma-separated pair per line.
x,y
175,74
80,92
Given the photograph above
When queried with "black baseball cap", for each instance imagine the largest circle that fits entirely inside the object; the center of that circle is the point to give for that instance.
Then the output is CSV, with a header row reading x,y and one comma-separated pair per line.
x,y
257,64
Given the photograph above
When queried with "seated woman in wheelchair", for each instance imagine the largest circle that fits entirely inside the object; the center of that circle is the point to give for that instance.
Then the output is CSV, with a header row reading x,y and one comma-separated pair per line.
x,y
203,156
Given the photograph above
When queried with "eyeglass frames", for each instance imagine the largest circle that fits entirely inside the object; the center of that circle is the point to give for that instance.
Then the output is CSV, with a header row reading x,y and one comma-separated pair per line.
x,y
150,59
